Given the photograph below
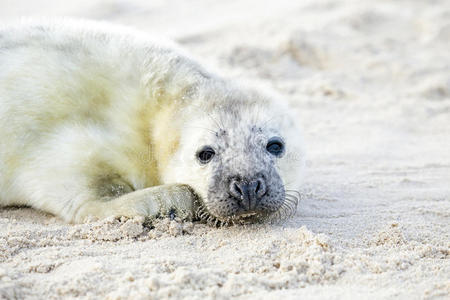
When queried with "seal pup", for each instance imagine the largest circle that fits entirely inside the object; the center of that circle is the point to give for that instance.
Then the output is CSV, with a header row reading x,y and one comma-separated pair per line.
x,y
100,120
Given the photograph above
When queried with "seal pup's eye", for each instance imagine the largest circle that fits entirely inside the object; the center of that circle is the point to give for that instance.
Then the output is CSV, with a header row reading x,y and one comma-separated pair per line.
x,y
205,154
275,146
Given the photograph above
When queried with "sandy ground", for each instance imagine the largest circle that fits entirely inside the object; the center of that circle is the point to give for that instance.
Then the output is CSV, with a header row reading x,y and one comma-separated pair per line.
x,y
370,81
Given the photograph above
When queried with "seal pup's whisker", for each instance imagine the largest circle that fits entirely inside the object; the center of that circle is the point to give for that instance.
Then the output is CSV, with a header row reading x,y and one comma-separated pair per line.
x,y
204,128
286,210
295,192
264,125
218,124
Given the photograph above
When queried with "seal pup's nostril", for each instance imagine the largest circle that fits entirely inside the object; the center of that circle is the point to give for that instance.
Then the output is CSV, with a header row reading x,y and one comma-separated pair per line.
x,y
260,188
235,189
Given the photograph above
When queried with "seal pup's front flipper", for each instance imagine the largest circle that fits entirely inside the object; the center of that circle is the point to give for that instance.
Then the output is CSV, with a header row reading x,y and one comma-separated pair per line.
x,y
172,200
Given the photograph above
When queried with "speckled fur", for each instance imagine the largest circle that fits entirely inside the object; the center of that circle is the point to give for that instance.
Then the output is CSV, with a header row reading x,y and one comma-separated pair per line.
x,y
99,120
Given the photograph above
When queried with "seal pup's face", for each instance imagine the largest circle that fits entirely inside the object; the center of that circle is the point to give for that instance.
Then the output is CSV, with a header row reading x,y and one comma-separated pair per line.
x,y
237,155
243,179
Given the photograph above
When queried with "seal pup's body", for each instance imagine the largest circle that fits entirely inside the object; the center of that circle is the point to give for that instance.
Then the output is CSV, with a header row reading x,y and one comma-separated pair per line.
x,y
98,120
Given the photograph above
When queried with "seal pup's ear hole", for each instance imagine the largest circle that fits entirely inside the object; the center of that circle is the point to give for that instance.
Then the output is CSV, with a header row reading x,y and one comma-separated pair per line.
x,y
275,146
205,154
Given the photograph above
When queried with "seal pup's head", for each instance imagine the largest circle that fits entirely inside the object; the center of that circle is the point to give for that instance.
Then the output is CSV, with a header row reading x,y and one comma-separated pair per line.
x,y
240,150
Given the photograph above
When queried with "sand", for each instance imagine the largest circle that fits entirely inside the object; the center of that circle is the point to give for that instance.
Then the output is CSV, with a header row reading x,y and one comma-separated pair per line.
x,y
370,82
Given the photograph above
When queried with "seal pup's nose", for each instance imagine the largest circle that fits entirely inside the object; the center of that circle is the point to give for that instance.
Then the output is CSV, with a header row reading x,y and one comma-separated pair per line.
x,y
248,192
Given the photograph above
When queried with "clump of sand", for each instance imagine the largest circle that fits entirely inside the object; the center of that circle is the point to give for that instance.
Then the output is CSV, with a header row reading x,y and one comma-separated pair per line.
x,y
392,236
115,229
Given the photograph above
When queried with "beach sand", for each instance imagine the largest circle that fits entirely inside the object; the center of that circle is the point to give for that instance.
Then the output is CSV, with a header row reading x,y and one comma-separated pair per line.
x,y
370,83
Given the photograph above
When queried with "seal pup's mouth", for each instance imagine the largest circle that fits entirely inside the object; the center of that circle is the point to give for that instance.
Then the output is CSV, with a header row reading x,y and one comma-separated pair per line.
x,y
284,212
247,215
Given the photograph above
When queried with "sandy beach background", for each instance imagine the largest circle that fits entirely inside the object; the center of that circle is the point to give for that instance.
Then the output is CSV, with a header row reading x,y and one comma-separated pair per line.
x,y
370,82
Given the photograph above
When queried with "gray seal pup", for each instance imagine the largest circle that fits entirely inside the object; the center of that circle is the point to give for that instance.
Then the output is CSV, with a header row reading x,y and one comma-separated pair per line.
x,y
100,120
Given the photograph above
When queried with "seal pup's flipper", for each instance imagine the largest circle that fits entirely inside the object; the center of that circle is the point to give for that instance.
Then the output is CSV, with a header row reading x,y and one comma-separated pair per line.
x,y
171,200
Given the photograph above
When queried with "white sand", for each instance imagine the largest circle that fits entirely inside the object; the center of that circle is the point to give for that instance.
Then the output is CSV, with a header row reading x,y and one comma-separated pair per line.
x,y
370,81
